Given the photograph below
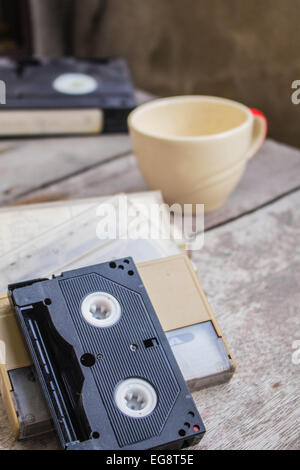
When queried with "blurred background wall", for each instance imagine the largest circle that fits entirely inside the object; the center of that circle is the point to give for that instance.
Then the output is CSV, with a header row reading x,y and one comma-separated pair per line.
x,y
248,50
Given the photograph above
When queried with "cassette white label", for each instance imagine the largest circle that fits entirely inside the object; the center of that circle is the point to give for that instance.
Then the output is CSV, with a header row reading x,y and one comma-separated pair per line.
x,y
51,122
200,353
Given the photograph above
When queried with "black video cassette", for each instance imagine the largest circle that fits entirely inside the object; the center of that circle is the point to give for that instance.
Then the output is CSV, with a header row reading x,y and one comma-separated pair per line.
x,y
105,365
65,96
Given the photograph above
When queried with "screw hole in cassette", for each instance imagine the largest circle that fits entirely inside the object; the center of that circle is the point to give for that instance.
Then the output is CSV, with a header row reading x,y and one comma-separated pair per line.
x,y
87,360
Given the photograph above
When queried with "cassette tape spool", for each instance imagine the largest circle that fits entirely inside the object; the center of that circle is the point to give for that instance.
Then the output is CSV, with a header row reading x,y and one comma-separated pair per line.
x,y
75,84
106,368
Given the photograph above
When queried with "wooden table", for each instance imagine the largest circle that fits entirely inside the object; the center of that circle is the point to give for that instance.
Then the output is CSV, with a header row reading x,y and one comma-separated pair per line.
x,y
249,267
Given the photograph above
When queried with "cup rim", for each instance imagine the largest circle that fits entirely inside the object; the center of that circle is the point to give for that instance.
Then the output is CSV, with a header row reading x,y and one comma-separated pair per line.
x,y
161,101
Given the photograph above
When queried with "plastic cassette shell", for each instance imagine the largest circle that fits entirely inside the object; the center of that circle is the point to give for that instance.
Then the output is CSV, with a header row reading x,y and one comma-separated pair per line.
x,y
99,423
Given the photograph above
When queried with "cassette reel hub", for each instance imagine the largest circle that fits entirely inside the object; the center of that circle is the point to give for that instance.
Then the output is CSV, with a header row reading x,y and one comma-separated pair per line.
x,y
75,84
101,309
135,397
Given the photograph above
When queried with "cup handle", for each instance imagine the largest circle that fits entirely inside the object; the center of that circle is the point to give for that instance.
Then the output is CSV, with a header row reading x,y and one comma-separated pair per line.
x,y
260,129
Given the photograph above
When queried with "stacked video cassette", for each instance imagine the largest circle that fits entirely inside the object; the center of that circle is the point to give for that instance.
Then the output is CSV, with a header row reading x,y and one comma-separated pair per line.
x,y
65,96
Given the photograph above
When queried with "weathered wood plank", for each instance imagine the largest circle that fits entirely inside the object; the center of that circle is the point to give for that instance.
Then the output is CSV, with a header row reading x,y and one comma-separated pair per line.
x,y
250,269
274,172
39,162
119,175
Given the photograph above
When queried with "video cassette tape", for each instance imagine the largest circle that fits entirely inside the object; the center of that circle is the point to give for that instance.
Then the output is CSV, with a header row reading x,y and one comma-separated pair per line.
x,y
193,332
65,96
195,338
44,244
105,365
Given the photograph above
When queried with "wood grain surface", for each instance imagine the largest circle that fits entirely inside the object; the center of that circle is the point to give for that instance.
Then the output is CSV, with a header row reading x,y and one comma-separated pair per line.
x,y
250,270
272,173
249,267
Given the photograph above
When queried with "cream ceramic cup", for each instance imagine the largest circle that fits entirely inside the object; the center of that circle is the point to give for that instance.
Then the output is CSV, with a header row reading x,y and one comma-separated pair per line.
x,y
195,148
